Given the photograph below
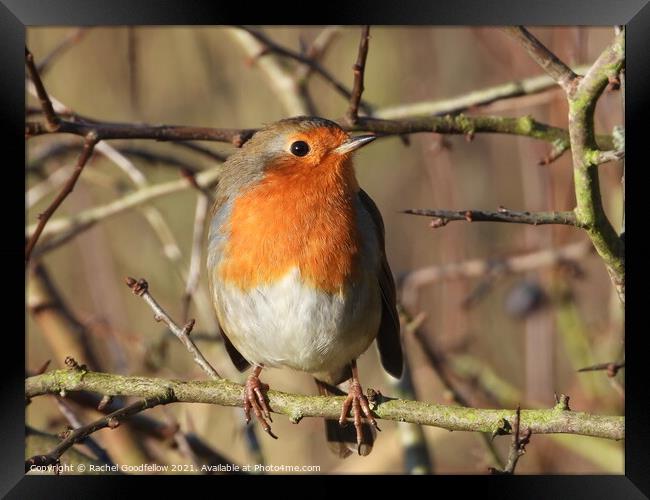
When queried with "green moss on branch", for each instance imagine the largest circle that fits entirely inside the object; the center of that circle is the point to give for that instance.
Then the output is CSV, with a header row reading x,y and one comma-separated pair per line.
x,y
226,393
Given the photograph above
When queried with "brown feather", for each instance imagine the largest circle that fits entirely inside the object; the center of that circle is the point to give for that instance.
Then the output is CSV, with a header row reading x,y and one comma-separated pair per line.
x,y
388,338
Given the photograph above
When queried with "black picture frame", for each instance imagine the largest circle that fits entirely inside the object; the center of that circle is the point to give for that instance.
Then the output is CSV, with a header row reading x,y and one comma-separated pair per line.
x,y
15,15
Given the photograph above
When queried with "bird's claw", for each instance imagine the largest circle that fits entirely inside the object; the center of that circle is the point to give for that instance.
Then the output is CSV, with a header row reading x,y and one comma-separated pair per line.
x,y
255,400
360,406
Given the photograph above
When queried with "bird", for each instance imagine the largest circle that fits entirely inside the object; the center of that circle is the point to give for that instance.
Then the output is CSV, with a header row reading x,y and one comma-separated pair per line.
x,y
297,269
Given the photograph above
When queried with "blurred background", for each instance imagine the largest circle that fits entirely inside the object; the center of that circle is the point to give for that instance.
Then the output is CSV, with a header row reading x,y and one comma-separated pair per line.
x,y
483,334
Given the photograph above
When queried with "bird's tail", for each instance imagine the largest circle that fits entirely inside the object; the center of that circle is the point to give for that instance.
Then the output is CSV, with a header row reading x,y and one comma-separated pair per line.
x,y
343,440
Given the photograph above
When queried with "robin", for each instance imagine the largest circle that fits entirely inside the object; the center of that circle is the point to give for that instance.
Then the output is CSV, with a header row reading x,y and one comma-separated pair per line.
x,y
298,271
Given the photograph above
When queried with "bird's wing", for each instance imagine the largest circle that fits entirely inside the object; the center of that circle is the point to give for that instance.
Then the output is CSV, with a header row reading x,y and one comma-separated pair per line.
x,y
218,212
388,338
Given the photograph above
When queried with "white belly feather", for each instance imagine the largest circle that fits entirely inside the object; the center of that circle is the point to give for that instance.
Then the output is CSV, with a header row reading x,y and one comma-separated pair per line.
x,y
290,324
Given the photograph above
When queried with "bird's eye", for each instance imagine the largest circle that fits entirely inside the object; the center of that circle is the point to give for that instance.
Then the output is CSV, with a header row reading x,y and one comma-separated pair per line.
x,y
300,148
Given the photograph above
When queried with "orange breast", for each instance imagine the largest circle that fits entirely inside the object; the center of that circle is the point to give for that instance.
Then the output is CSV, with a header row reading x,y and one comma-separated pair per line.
x,y
296,217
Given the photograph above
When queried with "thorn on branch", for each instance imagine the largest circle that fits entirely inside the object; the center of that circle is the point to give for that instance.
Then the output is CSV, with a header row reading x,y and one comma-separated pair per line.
x,y
611,368
104,402
187,329
562,402
437,222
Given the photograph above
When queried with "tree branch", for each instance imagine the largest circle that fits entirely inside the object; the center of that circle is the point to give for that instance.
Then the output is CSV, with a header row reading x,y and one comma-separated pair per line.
x,y
549,62
61,230
43,218
141,289
359,68
111,420
442,217
315,66
225,393
611,368
72,38
280,79
586,156
517,448
524,126
476,98
478,268
52,120
582,95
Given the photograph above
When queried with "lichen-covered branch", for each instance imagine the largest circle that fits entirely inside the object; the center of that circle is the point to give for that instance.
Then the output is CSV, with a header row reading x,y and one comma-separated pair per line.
x,y
582,95
226,393
586,157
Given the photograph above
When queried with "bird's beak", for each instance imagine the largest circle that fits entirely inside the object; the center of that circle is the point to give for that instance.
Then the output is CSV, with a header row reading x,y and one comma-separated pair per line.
x,y
354,143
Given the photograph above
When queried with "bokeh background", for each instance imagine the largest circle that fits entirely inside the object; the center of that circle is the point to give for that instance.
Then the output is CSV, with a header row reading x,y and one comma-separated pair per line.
x,y
497,341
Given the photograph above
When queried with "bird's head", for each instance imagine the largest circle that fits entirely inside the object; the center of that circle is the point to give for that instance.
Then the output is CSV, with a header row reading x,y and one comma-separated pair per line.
x,y
301,144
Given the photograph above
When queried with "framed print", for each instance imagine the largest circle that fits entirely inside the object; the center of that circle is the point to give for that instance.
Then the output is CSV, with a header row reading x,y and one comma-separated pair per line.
x,y
386,242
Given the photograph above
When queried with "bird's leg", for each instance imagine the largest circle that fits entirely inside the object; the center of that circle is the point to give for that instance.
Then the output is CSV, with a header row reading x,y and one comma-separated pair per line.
x,y
254,399
359,405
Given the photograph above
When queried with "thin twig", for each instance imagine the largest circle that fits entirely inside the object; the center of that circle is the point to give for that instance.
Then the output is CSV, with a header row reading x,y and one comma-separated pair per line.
x,y
438,364
69,414
141,288
61,230
359,69
72,38
612,368
43,218
51,119
281,80
200,216
148,426
477,268
272,47
315,52
442,217
517,448
474,99
112,420
548,61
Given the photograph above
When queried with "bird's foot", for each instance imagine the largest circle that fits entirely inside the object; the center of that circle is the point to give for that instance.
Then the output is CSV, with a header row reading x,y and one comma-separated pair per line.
x,y
255,399
358,402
